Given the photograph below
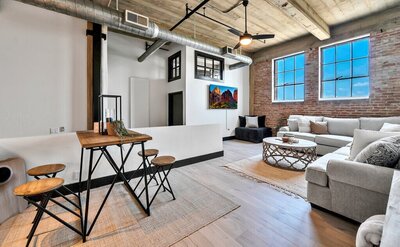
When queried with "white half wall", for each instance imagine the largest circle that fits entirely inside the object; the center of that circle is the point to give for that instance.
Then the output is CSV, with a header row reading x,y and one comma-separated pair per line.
x,y
180,141
42,69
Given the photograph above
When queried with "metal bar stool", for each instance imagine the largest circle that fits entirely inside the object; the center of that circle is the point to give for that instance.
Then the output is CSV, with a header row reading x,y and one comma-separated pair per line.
x,y
163,164
51,171
147,153
43,188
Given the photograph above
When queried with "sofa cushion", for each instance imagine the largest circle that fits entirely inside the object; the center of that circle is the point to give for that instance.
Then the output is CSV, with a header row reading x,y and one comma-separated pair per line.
x,y
388,127
299,135
362,138
316,171
383,152
343,151
376,123
333,140
252,134
342,126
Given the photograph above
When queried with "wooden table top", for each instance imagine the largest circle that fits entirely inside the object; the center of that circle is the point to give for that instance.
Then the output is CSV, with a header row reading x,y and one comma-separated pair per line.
x,y
89,139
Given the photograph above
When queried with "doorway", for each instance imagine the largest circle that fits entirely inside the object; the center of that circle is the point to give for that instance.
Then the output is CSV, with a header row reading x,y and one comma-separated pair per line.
x,y
175,108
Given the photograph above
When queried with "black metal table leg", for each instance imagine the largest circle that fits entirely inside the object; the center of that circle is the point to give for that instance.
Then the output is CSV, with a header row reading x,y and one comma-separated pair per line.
x,y
124,179
80,190
145,180
89,180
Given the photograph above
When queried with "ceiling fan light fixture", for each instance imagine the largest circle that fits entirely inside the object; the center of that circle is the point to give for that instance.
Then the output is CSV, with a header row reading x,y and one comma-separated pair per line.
x,y
245,40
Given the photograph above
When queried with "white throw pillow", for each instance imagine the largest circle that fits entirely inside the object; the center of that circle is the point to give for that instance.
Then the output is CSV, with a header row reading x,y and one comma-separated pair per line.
x,y
251,122
388,127
362,138
304,125
293,124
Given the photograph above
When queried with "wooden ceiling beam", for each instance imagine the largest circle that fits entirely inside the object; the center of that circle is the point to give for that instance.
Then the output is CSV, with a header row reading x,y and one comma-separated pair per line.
x,y
301,12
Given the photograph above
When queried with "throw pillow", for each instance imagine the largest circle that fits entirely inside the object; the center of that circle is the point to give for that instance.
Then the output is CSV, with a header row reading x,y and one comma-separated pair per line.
x,y
363,138
383,152
242,121
304,125
251,122
388,127
261,121
293,124
319,127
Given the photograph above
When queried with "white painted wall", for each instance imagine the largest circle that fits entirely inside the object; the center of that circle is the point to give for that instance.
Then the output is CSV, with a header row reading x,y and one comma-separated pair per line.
x,y
197,111
42,69
123,52
180,141
180,84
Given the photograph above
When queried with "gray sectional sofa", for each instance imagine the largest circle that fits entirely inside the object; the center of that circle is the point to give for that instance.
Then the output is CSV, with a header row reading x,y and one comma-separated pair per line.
x,y
355,190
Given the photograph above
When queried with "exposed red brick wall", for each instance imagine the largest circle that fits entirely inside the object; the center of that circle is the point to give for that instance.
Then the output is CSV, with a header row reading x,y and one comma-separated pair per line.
x,y
384,85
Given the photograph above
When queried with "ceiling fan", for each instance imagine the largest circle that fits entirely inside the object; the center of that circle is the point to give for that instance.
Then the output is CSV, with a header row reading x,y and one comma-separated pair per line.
x,y
246,38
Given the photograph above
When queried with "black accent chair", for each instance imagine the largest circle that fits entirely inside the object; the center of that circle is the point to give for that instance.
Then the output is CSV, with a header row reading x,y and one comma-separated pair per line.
x,y
255,135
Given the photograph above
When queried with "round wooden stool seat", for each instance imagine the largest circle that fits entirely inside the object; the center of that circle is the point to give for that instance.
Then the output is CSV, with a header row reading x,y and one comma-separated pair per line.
x,y
38,187
149,152
163,161
46,169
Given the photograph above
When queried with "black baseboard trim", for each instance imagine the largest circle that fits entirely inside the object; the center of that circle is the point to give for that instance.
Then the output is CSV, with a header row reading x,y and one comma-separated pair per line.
x,y
99,182
334,213
227,138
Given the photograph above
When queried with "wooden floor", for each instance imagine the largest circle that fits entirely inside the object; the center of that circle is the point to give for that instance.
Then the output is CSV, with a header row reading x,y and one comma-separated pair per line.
x,y
266,217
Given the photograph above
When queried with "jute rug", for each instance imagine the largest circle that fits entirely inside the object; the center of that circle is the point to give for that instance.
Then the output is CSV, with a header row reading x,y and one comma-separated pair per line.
x,y
122,223
290,182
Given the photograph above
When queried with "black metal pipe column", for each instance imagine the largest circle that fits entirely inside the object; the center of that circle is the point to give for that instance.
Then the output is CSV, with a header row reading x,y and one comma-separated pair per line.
x,y
96,68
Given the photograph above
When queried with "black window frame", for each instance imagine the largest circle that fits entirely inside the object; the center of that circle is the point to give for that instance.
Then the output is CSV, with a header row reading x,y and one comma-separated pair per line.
x,y
285,84
172,66
213,58
336,79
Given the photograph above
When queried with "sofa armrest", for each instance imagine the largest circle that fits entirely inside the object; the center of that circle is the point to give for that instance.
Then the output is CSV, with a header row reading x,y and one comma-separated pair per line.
x,y
370,177
284,128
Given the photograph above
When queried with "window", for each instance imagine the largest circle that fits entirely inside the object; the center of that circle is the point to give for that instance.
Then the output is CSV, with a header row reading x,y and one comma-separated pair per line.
x,y
208,67
288,78
345,70
174,67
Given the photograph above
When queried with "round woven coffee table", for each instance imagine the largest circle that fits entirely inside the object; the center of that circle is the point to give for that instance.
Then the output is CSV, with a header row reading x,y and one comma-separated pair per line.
x,y
293,156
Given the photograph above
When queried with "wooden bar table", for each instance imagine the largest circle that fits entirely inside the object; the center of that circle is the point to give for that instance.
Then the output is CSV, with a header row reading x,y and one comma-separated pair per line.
x,y
95,142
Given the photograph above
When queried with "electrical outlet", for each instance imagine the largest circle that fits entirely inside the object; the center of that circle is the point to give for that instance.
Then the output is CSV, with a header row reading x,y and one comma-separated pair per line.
x,y
53,131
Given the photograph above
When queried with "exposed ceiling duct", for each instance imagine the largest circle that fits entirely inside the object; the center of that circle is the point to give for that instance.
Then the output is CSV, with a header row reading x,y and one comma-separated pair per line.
x,y
96,13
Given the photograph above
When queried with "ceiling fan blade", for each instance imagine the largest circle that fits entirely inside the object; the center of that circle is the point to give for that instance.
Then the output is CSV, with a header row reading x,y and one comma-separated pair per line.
x,y
234,6
237,46
263,36
235,31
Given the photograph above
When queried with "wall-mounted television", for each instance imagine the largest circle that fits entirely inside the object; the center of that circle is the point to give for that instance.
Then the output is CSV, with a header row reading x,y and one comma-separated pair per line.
x,y
222,97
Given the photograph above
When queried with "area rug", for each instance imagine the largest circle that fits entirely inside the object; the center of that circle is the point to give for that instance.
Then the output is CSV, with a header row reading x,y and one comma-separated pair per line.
x,y
122,223
290,182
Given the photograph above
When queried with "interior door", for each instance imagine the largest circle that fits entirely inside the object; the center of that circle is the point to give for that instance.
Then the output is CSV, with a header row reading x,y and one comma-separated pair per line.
x,y
175,108
139,102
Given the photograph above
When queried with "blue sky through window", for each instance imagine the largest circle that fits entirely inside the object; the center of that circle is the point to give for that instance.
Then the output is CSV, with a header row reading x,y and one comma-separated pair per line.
x,y
345,69
289,78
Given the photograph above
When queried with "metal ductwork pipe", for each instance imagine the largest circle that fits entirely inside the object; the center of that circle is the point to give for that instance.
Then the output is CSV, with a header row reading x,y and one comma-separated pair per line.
x,y
96,13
